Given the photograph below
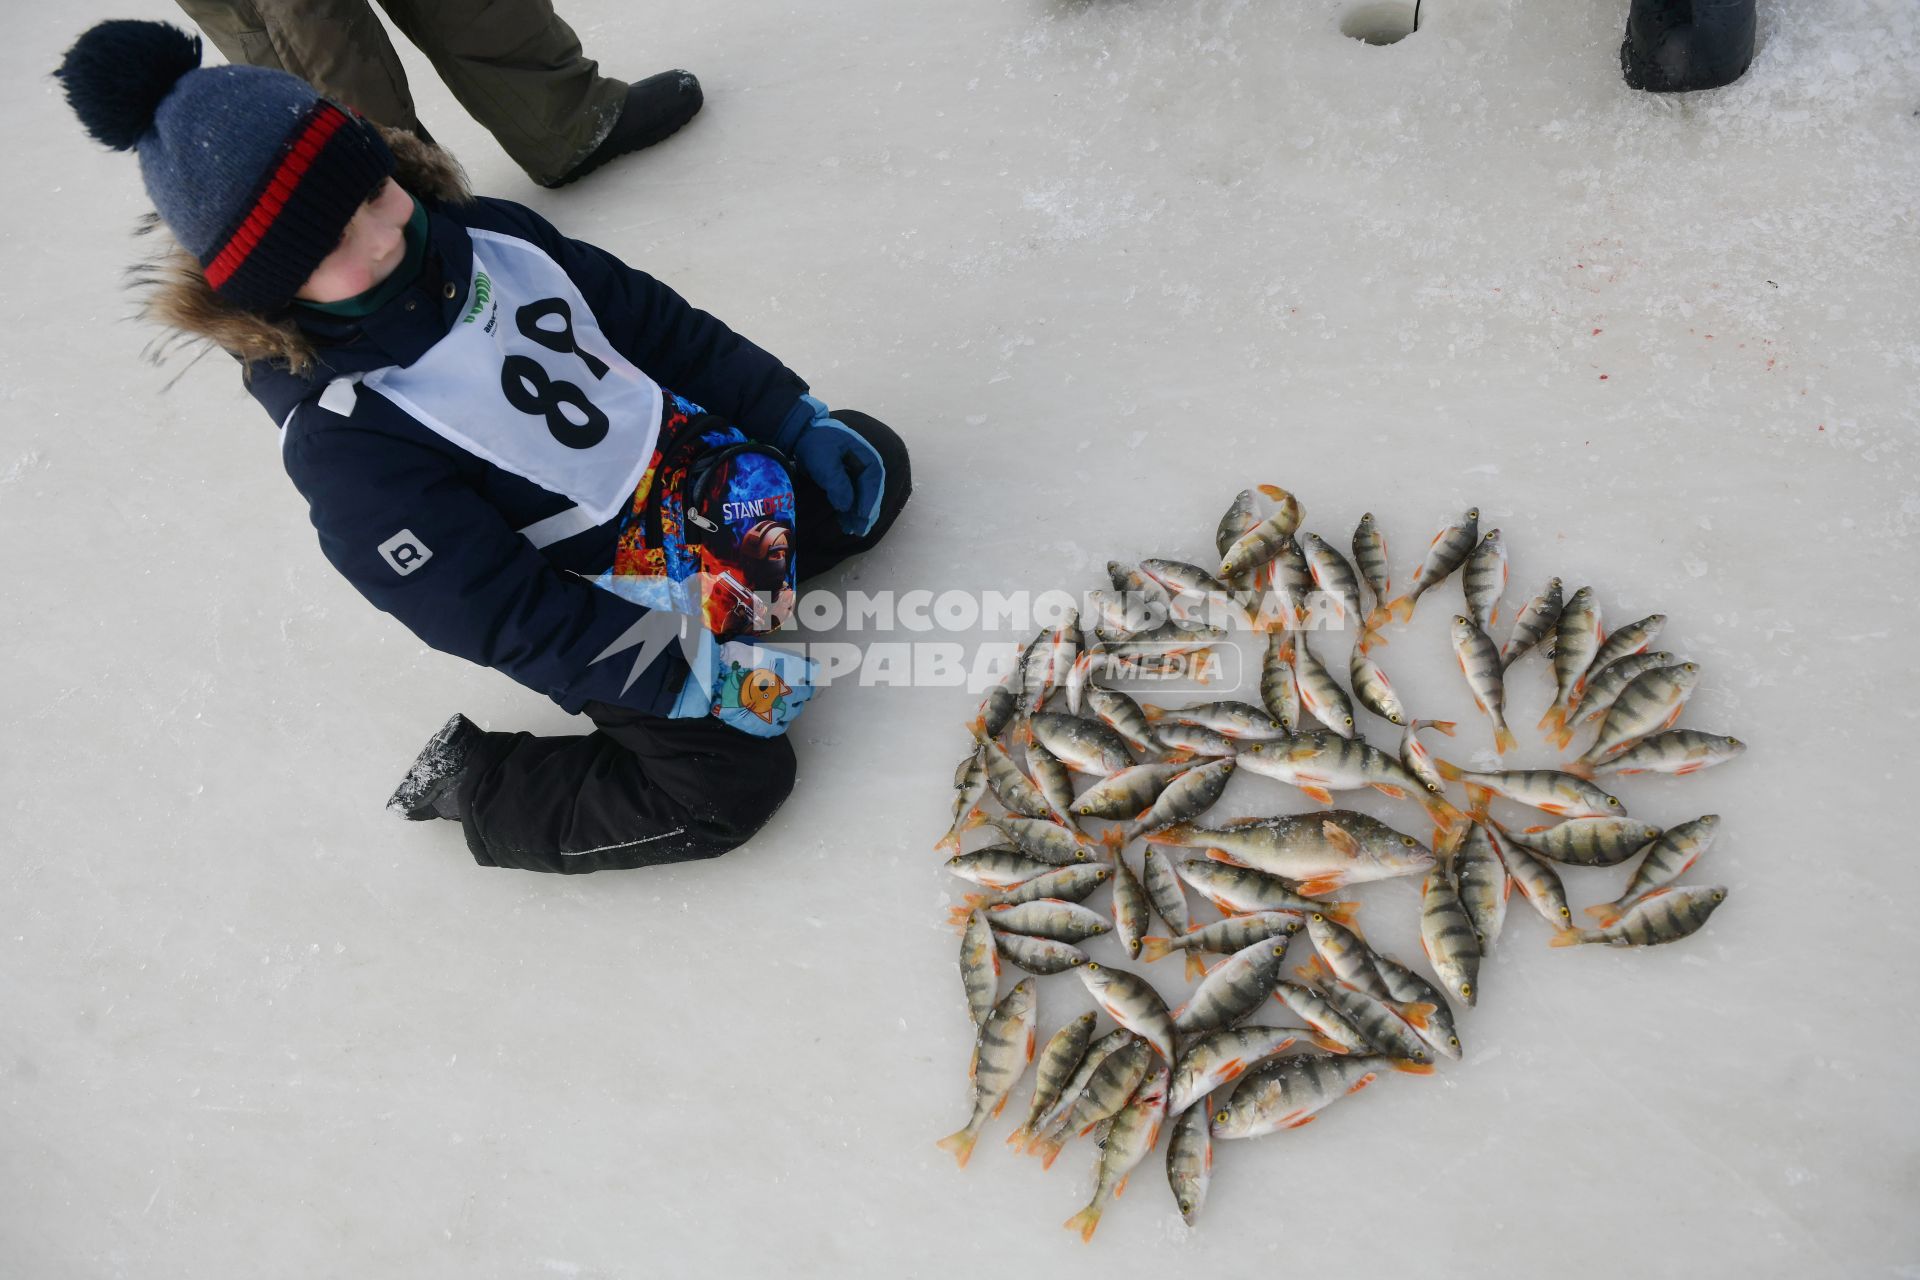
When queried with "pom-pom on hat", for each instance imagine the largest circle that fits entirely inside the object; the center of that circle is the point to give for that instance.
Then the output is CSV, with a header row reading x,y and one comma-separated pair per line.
x,y
254,173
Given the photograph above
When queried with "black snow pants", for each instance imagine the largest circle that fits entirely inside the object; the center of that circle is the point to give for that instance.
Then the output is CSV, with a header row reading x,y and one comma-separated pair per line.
x,y
644,790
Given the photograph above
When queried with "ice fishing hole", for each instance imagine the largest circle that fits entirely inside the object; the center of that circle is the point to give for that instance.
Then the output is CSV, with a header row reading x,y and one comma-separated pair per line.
x,y
1379,21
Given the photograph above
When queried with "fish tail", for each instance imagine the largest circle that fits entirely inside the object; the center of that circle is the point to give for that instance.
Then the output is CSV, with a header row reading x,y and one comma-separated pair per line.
x,y
1196,966
1569,938
1047,1148
958,916
1448,769
1401,610
1555,720
961,1144
1113,840
1152,948
1153,712
1086,1222
1314,886
1172,833
1504,741
1606,914
1578,768
1019,1137
1342,913
1479,802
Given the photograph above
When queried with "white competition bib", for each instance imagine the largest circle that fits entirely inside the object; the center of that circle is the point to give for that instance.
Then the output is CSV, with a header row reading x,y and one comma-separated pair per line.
x,y
526,380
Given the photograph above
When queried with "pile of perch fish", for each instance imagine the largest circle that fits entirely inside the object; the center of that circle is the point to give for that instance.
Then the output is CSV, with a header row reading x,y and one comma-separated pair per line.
x,y
1154,772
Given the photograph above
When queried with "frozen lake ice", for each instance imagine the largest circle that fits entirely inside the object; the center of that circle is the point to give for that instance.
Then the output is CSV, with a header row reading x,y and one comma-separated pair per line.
x,y
1103,264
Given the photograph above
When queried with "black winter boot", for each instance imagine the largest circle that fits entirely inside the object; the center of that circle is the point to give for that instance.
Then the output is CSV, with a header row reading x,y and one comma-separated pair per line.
x,y
654,110
1677,45
431,788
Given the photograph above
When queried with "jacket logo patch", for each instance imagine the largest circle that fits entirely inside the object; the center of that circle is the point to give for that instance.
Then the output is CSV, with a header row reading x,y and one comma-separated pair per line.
x,y
405,553
482,294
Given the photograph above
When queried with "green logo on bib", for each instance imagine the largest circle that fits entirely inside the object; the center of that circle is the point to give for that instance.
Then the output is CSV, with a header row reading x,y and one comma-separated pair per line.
x,y
482,294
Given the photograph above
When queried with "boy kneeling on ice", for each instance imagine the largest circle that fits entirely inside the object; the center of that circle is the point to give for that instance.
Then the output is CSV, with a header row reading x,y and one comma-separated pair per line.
x,y
500,433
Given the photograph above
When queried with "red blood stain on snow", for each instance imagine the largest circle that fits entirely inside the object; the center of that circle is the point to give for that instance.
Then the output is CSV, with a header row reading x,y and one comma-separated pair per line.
x,y
1594,334
1605,376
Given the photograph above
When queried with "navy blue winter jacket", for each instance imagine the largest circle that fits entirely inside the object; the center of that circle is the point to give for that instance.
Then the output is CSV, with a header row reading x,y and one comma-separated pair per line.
x,y
474,558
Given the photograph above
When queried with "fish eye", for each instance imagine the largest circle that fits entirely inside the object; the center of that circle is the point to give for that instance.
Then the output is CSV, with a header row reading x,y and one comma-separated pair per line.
x,y
1454,1041
1092,967
1318,916
1718,896
1614,802
1393,720
1407,841
1433,787
1220,1117
1466,988
1565,914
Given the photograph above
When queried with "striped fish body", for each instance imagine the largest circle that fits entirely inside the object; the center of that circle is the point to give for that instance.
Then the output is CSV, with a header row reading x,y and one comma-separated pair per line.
x,y
979,966
1131,1001
1588,842
1190,1161
1346,954
1239,517
1076,1086
1125,717
1055,784
1480,664
1383,1026
1602,689
1677,751
1278,689
1576,639
1048,659
1652,702
1334,577
1012,787
1322,763
1261,542
1049,918
1332,1030
1447,552
1320,694
1536,879
1635,637
1370,558
1233,989
1240,721
1085,746
1665,915
1484,580
1069,884
1291,1092
999,867
1224,937
1044,839
1412,996
1131,908
1133,1132
1419,761
996,711
1320,852
1128,792
1241,890
1195,740
1293,581
1480,877
1056,1065
1565,795
1164,891
1372,688
1453,948
1188,796
1218,1057
1536,621
1043,956
1111,1083
969,786
1195,594
1001,1050
1668,858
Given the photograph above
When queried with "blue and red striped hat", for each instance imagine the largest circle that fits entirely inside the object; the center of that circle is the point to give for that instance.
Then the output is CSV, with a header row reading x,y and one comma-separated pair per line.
x,y
254,172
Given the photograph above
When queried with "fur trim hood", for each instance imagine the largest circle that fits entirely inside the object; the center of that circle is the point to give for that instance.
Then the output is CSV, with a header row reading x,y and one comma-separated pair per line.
x,y
175,295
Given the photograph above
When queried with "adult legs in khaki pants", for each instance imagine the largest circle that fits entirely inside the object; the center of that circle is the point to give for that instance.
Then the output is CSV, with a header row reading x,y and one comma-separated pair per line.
x,y
515,66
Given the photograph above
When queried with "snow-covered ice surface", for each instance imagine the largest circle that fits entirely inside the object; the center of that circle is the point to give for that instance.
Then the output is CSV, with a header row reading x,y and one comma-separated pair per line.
x,y
1103,264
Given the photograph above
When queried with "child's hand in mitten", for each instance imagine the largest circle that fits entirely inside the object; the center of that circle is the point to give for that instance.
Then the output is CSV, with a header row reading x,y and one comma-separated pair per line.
x,y
839,460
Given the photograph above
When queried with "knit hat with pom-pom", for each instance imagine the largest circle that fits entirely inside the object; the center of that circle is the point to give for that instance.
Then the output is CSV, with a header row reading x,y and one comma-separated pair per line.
x,y
253,172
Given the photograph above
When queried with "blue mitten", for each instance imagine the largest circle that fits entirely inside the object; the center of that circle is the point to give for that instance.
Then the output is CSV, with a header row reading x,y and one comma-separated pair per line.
x,y
754,688
839,460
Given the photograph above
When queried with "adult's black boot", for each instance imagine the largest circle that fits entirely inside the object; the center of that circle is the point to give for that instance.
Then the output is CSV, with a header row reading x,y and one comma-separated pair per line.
x,y
431,788
654,110
1676,45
